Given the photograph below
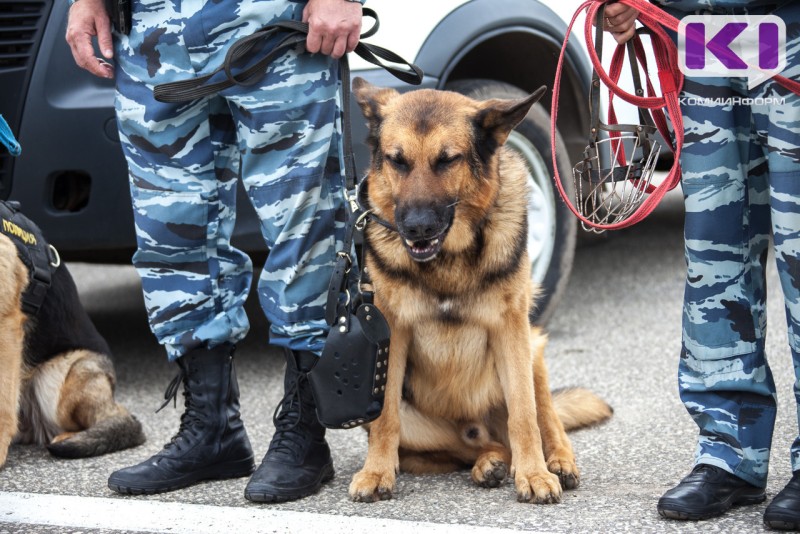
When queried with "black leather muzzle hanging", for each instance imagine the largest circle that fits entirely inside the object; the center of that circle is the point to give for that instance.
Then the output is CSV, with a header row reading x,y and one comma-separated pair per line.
x,y
349,380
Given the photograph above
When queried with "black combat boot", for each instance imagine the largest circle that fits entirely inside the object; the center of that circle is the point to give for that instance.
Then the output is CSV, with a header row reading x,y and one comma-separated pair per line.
x,y
211,442
299,460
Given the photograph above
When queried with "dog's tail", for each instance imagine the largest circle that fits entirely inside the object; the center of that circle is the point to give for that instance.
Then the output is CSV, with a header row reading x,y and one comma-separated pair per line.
x,y
579,408
120,431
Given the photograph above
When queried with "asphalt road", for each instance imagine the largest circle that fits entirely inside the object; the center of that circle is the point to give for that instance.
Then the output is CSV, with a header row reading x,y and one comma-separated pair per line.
x,y
616,331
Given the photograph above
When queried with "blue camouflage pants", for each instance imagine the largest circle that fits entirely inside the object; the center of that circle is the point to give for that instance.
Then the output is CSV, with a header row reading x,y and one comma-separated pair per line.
x,y
281,137
741,182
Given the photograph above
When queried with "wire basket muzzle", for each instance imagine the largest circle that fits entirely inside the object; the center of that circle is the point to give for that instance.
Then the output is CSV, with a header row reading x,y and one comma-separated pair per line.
x,y
615,175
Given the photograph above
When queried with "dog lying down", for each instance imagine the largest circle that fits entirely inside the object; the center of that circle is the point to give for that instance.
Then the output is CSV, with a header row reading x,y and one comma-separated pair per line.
x,y
56,378
467,384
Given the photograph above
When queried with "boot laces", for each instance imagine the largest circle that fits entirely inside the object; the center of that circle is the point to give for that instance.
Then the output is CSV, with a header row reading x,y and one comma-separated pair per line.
x,y
190,419
286,418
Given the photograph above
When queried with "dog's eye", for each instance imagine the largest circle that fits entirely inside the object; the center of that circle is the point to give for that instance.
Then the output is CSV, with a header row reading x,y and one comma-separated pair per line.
x,y
397,161
446,160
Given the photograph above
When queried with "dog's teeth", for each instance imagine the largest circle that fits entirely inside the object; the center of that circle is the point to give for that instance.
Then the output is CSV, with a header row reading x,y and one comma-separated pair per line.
x,y
435,242
409,243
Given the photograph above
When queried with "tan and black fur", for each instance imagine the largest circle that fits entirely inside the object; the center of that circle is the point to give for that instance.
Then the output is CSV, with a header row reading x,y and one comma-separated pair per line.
x,y
56,379
467,383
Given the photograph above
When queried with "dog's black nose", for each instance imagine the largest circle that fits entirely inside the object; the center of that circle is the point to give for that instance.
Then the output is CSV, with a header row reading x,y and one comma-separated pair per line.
x,y
420,223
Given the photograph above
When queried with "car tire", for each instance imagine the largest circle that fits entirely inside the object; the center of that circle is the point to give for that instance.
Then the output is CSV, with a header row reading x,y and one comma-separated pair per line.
x,y
551,226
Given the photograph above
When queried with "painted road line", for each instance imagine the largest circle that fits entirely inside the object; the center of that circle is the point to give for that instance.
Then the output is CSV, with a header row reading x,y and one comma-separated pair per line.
x,y
137,515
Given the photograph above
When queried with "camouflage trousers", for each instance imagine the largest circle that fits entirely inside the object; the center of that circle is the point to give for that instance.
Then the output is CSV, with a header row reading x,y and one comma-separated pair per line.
x,y
281,137
741,182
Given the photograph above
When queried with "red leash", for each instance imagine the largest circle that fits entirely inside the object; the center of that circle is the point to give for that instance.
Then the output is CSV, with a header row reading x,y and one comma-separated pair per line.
x,y
671,78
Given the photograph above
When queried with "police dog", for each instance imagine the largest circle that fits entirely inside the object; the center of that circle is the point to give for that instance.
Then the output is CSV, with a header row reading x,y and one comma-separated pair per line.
x,y
467,384
56,378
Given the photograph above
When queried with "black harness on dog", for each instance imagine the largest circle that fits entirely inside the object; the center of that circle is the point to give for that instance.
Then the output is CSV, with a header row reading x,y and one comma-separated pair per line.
x,y
39,257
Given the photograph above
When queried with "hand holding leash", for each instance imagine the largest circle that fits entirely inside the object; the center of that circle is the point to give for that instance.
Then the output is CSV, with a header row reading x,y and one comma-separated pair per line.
x,y
333,26
620,21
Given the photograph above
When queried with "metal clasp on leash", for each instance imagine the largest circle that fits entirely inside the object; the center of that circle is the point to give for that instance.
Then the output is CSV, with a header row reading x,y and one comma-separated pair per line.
x,y
361,222
346,256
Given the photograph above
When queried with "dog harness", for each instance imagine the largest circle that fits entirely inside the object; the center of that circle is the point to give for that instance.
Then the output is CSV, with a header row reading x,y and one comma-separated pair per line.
x,y
39,257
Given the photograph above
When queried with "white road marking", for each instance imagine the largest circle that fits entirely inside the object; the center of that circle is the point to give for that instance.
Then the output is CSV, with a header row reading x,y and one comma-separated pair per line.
x,y
136,515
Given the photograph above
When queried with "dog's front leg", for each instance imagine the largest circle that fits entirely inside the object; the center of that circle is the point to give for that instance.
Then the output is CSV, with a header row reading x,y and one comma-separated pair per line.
x,y
10,377
511,347
376,479
557,448
13,278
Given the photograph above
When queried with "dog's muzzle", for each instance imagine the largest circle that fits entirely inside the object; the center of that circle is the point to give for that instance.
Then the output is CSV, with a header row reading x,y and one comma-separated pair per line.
x,y
423,228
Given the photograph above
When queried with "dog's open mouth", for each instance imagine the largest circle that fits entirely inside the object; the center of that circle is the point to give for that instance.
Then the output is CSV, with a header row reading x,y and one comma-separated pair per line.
x,y
424,227
424,249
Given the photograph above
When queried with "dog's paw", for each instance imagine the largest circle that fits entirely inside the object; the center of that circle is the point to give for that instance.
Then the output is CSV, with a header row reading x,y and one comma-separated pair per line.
x,y
371,486
489,472
566,471
537,487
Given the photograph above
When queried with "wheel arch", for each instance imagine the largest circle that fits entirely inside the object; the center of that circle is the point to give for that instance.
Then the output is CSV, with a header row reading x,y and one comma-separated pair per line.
x,y
517,42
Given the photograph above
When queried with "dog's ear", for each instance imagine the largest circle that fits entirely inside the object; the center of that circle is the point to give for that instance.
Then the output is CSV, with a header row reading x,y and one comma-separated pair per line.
x,y
372,98
496,118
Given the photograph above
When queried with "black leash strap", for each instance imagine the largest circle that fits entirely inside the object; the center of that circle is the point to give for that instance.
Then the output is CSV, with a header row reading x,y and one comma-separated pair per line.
x,y
293,33
345,272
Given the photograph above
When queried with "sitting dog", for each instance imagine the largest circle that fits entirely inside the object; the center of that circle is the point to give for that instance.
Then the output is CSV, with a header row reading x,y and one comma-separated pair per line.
x,y
467,384
56,378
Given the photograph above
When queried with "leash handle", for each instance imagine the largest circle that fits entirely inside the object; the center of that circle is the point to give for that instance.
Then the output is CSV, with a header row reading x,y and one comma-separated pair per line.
x,y
294,34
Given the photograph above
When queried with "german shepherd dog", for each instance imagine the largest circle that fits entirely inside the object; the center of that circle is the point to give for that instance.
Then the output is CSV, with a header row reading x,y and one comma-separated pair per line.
x,y
56,378
467,384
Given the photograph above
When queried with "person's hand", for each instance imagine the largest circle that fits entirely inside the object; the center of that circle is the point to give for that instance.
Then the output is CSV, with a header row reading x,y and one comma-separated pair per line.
x,y
620,21
334,26
88,19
